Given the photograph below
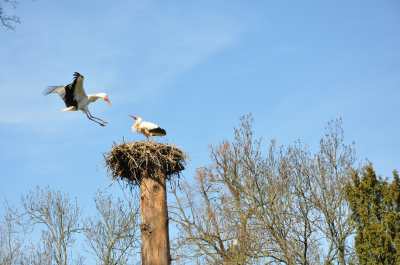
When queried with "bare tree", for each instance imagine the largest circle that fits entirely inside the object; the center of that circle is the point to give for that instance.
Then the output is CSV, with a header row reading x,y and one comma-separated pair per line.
x,y
16,247
58,218
36,255
279,194
6,20
215,219
11,244
113,234
331,171
285,206
212,228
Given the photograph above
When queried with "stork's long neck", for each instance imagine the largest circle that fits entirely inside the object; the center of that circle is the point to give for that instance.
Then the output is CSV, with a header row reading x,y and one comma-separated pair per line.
x,y
94,97
137,122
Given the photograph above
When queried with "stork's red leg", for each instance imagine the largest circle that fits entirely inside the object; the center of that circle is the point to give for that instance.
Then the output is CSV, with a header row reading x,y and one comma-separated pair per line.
x,y
90,118
96,118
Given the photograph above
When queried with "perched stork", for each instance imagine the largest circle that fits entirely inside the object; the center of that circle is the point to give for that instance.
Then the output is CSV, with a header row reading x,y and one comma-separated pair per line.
x,y
146,128
75,97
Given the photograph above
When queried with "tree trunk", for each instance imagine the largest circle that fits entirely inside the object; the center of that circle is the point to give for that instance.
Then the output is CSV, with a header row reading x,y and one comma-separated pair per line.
x,y
154,226
341,254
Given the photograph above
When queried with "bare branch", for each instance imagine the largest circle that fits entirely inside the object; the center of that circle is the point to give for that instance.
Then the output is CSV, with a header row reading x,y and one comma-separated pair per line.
x,y
59,218
6,20
113,234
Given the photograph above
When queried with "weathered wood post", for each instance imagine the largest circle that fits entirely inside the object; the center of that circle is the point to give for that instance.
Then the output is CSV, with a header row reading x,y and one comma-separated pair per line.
x,y
154,227
149,165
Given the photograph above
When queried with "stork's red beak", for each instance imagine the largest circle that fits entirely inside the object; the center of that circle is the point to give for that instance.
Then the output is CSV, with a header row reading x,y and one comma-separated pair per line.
x,y
106,99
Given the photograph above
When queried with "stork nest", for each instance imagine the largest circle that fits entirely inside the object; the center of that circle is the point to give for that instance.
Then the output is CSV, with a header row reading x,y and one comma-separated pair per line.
x,y
136,160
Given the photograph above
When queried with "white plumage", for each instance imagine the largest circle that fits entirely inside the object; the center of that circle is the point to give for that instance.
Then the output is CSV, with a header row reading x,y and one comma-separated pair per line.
x,y
75,98
146,128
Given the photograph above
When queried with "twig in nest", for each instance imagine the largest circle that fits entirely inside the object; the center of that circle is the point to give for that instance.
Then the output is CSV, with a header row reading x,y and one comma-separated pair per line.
x,y
133,161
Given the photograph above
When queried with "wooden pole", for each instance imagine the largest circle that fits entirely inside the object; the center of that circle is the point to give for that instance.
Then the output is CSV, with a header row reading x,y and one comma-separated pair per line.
x,y
154,226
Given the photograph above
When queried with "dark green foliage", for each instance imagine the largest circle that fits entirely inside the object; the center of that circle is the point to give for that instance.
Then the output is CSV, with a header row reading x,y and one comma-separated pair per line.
x,y
375,205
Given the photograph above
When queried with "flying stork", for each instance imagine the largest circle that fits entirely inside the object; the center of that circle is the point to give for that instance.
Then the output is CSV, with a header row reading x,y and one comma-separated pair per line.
x,y
146,128
75,98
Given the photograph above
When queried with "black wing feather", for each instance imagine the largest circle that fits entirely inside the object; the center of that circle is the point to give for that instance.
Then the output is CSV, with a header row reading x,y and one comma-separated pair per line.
x,y
69,98
158,131
66,93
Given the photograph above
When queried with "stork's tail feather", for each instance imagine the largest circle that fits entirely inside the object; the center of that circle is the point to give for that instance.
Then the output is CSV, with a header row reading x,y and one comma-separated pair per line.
x,y
158,131
71,108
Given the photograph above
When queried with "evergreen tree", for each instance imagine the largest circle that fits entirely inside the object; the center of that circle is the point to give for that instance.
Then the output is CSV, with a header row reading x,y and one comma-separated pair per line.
x,y
375,205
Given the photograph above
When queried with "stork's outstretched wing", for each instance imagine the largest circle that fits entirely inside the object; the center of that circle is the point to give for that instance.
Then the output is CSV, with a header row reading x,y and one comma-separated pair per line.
x,y
55,89
65,92
72,93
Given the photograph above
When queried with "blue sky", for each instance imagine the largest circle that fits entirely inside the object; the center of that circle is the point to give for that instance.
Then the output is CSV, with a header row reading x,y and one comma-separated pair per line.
x,y
194,67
